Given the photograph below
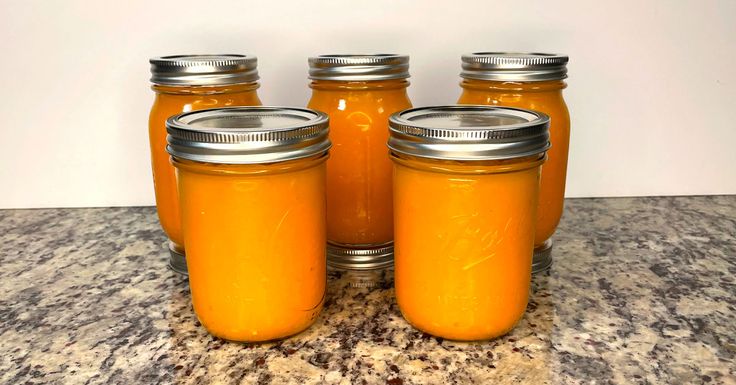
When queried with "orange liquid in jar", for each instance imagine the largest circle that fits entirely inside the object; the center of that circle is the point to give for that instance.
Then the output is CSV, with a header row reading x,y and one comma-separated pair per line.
x,y
359,201
464,235
255,242
170,101
546,97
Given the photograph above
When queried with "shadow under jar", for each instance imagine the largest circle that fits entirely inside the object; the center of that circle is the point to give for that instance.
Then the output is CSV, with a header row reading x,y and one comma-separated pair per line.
x,y
466,184
533,81
359,93
188,83
252,187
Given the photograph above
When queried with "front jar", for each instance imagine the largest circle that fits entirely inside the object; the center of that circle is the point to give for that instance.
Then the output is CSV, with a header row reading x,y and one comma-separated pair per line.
x,y
466,183
182,84
359,93
535,82
251,182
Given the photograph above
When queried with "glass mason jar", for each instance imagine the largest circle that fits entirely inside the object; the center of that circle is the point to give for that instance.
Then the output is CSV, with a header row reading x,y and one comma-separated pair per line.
x,y
188,83
359,93
251,184
466,184
533,81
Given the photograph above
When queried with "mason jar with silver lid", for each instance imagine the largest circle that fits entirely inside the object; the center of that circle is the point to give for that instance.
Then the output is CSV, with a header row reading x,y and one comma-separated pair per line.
x,y
252,193
359,93
533,81
188,83
466,184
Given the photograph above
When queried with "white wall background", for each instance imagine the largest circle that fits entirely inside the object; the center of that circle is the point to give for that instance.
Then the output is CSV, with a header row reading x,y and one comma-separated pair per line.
x,y
652,87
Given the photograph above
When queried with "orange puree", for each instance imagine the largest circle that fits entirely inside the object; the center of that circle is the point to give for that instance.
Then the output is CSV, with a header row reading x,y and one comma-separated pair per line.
x,y
359,204
543,96
172,100
463,243
255,241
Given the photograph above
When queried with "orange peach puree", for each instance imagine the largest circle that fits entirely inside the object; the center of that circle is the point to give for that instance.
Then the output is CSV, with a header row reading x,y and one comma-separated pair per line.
x,y
255,242
359,204
464,234
545,97
171,101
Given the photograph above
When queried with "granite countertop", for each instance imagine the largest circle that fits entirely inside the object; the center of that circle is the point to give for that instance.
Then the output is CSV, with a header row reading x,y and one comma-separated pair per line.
x,y
642,291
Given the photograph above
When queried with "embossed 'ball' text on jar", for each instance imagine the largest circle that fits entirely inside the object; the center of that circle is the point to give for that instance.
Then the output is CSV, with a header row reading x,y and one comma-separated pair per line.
x,y
533,81
466,184
185,83
359,93
251,183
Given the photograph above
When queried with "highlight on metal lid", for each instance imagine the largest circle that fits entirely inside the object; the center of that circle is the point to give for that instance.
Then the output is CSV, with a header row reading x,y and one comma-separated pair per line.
x,y
469,132
513,66
247,135
359,67
204,70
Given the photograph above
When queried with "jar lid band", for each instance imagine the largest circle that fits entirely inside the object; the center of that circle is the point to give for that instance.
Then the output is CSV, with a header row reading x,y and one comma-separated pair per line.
x,y
511,66
204,70
359,67
469,132
247,135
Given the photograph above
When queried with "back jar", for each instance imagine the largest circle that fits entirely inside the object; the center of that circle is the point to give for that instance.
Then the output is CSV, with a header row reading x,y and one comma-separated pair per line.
x,y
359,93
532,81
184,83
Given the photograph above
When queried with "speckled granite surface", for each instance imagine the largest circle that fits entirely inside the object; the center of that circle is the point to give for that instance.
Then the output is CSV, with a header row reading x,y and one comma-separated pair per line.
x,y
642,292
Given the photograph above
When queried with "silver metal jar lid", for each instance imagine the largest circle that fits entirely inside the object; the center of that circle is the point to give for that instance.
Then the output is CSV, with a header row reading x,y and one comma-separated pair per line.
x,y
204,70
363,258
247,135
469,132
511,66
359,67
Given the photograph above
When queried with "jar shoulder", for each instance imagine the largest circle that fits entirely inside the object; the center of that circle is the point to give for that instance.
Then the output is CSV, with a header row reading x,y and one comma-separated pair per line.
x,y
347,103
168,104
552,104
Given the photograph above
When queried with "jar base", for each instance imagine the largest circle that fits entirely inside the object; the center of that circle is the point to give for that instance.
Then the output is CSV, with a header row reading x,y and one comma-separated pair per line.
x,y
177,260
542,259
360,257
463,336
